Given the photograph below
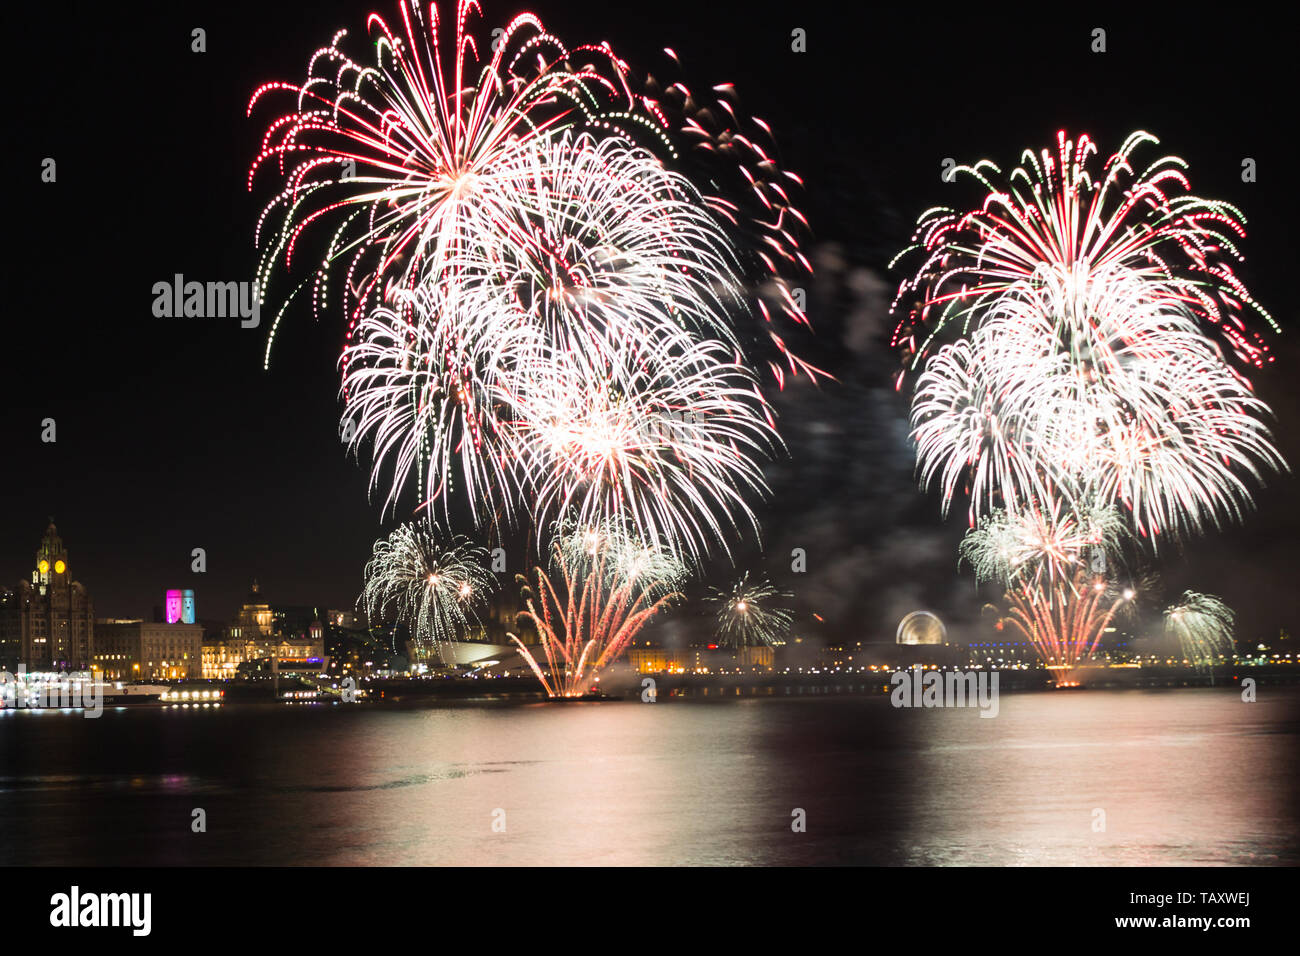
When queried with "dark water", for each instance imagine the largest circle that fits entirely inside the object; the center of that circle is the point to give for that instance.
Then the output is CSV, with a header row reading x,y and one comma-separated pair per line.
x,y
1189,776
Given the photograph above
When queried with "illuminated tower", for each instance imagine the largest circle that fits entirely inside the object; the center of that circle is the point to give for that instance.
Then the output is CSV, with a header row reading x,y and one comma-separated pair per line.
x,y
179,606
172,613
58,618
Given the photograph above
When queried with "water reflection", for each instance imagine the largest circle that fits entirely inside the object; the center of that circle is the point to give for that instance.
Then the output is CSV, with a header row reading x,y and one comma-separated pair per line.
x,y
1179,777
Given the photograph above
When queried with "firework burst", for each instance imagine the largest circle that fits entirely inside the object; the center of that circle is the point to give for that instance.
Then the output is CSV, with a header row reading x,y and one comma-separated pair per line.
x,y
597,386
429,582
534,299
1099,392
419,164
1088,313
1203,625
604,586
748,614
665,435
1043,545
1057,566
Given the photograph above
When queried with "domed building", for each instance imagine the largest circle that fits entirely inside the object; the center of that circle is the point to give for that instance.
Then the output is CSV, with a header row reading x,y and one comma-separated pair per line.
x,y
255,619
264,638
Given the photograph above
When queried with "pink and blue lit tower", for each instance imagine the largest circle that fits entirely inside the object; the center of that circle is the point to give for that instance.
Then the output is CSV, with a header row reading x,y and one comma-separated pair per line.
x,y
180,606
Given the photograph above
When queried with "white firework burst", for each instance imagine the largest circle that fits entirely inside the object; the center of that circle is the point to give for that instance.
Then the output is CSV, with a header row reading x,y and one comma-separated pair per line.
x,y
1203,625
1043,545
665,434
427,581
1097,387
749,613
590,366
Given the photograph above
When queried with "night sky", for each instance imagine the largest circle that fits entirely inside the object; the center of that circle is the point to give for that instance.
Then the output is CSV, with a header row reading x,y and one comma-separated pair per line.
x,y
171,436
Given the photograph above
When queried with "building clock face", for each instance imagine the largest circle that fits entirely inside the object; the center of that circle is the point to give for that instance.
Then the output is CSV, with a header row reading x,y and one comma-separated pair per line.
x,y
44,567
59,567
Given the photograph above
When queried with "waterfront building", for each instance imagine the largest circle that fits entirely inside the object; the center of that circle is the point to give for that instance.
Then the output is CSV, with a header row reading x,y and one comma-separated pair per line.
x,y
134,649
648,658
47,622
289,637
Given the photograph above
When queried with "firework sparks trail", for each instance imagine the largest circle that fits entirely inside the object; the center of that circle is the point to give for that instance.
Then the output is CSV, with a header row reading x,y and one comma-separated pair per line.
x,y
427,581
756,196
604,586
1065,622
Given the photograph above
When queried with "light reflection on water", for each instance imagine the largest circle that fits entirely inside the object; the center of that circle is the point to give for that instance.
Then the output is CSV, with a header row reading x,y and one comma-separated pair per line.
x,y
1189,776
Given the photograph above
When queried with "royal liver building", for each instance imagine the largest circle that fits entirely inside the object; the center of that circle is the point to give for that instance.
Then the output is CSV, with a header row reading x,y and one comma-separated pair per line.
x,y
49,622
